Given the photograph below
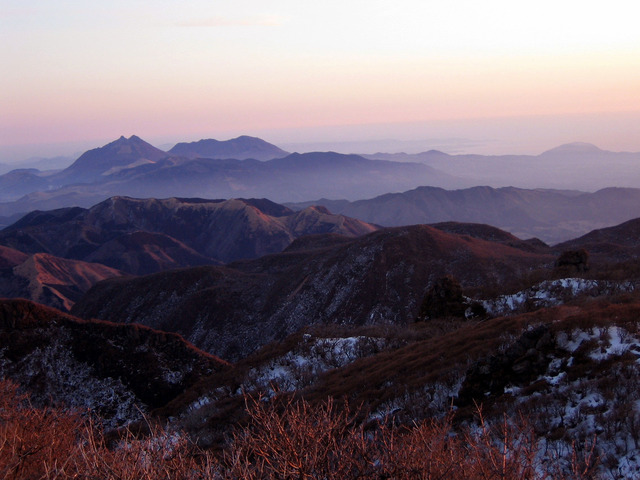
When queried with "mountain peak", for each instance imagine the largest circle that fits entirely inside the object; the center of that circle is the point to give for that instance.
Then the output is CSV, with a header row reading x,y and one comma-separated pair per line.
x,y
240,148
119,153
574,148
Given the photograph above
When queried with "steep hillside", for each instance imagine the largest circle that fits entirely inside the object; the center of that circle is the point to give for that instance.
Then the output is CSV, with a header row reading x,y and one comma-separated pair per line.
x,y
116,371
621,242
9,257
118,155
149,235
377,278
43,278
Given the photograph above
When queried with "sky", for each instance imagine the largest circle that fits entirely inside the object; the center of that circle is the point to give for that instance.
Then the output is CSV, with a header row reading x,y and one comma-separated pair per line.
x,y
494,76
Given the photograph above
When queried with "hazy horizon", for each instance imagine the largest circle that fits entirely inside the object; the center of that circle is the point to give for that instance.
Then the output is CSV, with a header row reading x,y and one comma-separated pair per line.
x,y
465,77
498,136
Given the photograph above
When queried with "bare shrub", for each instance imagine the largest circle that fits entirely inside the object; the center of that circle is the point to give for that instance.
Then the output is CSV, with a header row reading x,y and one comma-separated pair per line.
x,y
34,443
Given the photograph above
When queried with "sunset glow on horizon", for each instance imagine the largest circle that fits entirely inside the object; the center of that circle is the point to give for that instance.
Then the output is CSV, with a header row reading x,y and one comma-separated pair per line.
x,y
75,71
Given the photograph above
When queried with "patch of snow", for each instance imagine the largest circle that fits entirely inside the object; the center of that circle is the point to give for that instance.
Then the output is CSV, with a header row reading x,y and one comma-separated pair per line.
x,y
551,293
297,368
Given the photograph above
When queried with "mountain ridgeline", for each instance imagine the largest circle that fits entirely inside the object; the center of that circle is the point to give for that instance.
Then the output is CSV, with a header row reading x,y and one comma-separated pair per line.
x,y
241,148
551,215
119,372
207,169
142,236
437,187
322,279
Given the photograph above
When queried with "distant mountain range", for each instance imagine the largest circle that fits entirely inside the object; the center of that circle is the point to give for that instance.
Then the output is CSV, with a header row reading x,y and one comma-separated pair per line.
x,y
551,215
130,166
574,166
141,236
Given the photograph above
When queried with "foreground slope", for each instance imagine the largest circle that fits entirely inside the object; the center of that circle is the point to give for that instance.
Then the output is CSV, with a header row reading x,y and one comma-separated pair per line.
x,y
324,279
118,371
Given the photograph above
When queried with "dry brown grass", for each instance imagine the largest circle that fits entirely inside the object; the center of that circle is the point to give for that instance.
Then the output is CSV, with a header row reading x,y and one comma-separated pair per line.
x,y
51,443
284,439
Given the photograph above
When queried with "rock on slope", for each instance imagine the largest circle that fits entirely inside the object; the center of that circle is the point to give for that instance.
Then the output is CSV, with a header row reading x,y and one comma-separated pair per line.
x,y
377,278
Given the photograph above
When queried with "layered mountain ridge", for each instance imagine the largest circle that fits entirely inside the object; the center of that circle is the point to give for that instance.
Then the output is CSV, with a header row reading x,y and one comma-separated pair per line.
x,y
551,215
208,169
322,279
149,235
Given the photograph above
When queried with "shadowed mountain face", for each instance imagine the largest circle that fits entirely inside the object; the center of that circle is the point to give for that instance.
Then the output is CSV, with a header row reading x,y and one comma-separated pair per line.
x,y
43,278
114,157
551,215
380,277
118,371
241,148
148,235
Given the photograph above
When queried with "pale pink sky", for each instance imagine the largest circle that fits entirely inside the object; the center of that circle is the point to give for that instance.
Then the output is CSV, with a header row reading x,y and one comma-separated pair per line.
x,y
302,71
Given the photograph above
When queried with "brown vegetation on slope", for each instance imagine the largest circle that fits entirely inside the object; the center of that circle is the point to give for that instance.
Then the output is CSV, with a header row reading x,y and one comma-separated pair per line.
x,y
115,369
294,440
378,278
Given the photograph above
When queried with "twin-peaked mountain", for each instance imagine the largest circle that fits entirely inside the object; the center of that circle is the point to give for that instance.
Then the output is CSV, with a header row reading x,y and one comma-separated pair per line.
x,y
207,169
324,279
142,236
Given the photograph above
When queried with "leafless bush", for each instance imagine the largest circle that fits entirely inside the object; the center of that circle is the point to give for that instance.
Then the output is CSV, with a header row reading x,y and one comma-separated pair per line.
x,y
283,438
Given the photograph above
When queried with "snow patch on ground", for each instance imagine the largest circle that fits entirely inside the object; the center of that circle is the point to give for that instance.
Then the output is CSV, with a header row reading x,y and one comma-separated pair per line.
x,y
552,292
297,368
582,393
